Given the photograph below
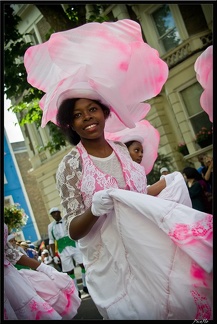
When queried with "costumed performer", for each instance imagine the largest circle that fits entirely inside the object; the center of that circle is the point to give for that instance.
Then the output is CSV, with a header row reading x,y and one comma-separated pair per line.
x,y
142,142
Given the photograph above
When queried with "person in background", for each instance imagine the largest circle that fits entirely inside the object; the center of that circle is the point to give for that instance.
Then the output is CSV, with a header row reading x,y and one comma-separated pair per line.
x,y
134,139
142,142
11,239
20,248
195,188
207,171
201,158
37,293
135,149
46,258
56,257
207,174
33,253
67,248
29,251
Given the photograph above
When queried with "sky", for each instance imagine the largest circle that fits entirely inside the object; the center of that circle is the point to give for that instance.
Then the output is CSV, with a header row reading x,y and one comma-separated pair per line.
x,y
13,131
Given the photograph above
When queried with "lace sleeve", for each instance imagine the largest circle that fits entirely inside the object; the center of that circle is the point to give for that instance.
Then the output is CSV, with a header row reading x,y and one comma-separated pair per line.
x,y
68,177
12,254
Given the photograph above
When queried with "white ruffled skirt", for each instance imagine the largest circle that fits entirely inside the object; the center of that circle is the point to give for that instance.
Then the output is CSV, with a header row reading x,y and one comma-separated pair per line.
x,y
32,295
151,258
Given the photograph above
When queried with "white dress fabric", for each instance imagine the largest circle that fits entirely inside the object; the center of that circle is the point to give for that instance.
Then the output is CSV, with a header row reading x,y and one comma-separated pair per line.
x,y
153,259
32,295
149,259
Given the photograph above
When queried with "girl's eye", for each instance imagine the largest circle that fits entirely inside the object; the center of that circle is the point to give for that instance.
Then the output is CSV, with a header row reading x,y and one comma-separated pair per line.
x,y
75,116
93,108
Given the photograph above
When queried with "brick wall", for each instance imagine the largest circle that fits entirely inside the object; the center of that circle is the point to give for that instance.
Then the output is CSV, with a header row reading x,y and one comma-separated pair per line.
x,y
34,194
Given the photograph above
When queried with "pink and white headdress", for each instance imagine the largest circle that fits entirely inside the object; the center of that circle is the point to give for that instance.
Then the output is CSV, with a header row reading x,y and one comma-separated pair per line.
x,y
204,74
144,133
106,61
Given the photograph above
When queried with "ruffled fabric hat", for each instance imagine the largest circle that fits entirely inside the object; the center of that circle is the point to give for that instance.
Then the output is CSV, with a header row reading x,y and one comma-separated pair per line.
x,y
144,133
204,74
106,61
11,236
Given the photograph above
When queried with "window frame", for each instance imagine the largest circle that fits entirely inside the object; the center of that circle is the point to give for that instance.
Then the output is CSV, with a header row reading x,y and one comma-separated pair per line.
x,y
179,24
8,200
184,108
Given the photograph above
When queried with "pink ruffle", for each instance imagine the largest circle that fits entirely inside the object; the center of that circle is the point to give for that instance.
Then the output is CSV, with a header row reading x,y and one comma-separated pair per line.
x,y
144,133
204,74
109,57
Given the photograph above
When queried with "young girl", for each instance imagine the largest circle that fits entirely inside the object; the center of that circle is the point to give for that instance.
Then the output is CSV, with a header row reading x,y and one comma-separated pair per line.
x,y
116,260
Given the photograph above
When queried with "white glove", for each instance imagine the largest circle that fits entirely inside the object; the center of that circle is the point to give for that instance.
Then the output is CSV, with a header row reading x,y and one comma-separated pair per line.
x,y
56,260
102,203
170,177
48,270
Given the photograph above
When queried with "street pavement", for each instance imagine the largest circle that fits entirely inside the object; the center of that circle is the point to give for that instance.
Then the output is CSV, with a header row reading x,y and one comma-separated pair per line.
x,y
87,309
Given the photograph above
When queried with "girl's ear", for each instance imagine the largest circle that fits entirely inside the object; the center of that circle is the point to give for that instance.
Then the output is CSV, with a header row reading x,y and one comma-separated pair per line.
x,y
106,113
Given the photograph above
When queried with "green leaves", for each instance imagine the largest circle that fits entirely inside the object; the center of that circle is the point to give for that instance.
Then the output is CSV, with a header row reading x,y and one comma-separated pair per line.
x,y
15,218
16,86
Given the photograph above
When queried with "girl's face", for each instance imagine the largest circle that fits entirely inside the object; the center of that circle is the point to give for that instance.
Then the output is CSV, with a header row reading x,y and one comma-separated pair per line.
x,y
88,119
136,151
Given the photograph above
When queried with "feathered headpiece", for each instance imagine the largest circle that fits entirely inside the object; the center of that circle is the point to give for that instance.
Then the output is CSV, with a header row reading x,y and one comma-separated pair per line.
x,y
204,74
106,61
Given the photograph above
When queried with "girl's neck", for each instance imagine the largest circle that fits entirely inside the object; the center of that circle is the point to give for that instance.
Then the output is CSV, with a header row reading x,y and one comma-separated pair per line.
x,y
190,182
99,148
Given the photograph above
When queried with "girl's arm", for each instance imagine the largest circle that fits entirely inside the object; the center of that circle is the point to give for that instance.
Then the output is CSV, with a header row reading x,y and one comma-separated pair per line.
x,y
78,220
81,225
209,171
156,188
29,262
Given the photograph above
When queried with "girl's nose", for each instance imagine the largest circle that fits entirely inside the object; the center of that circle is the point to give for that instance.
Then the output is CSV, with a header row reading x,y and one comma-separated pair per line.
x,y
87,115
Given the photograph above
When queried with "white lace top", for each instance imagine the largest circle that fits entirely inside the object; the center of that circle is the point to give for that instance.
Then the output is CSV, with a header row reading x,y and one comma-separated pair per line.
x,y
11,255
112,166
79,175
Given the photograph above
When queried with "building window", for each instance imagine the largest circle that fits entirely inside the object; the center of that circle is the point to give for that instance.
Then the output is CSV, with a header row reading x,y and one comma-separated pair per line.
x,y
196,115
31,37
194,18
36,137
44,29
5,179
8,200
168,35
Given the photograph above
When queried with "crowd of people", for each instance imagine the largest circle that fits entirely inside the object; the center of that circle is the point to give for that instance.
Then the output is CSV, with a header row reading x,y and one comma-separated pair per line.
x,y
61,252
134,243
68,253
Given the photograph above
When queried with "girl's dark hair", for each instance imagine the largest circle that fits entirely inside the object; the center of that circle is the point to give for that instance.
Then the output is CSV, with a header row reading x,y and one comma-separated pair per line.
x,y
129,143
64,118
192,173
